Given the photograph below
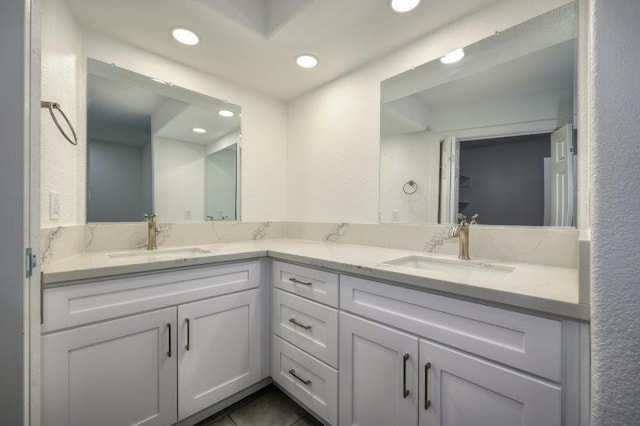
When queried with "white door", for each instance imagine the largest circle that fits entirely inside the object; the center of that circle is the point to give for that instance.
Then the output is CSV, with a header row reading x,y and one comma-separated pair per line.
x,y
116,373
219,349
450,177
462,390
378,374
562,177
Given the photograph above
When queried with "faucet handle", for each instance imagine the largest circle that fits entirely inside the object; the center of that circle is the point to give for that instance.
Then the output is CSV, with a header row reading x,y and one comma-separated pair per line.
x,y
463,219
150,217
474,219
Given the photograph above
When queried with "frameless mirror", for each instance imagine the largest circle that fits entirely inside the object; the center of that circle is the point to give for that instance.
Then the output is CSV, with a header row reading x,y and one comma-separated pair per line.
x,y
492,133
155,147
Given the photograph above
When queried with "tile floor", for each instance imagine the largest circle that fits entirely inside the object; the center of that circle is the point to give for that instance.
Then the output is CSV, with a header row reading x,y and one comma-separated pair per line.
x,y
267,407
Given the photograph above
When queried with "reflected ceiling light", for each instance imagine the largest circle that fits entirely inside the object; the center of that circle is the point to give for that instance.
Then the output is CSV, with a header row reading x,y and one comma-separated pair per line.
x,y
225,113
452,57
157,80
199,130
403,6
306,61
185,36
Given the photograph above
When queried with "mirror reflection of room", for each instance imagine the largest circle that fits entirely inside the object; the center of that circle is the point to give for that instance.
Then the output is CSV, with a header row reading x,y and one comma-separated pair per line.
x,y
157,148
487,130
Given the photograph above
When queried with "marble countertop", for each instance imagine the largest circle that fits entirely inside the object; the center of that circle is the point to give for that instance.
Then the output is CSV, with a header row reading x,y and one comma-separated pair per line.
x,y
547,289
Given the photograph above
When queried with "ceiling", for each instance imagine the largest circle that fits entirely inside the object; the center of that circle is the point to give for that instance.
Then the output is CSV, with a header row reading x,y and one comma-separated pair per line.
x,y
254,42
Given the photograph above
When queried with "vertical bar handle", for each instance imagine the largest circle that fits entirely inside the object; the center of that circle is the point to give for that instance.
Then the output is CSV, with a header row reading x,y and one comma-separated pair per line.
x,y
427,403
188,334
405,391
169,351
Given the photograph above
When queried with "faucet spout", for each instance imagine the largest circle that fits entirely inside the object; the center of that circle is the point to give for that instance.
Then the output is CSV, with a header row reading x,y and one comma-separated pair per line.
x,y
461,230
152,231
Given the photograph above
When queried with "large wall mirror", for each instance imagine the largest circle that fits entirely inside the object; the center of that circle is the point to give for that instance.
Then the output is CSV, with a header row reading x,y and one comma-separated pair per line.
x,y
157,148
489,129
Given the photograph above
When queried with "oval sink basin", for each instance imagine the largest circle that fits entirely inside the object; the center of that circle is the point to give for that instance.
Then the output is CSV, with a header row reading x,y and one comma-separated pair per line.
x,y
174,253
457,268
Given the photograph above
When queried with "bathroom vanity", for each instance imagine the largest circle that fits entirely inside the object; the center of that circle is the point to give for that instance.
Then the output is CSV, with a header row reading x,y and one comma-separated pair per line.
x,y
352,338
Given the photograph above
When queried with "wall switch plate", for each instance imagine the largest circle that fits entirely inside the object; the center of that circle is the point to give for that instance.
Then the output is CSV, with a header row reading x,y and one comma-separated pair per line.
x,y
54,205
395,215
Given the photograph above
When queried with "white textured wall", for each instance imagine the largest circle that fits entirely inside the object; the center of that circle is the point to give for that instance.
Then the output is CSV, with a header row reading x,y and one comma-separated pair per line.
x,y
63,81
333,131
264,132
414,156
615,181
178,180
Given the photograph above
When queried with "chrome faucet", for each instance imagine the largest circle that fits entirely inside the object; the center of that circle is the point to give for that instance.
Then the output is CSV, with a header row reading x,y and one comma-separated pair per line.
x,y
153,230
461,230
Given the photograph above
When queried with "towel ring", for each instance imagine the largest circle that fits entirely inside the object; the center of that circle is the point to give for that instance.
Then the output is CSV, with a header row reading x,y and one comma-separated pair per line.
x,y
53,105
410,187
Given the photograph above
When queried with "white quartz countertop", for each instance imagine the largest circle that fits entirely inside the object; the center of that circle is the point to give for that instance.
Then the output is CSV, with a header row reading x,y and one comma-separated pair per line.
x,y
548,289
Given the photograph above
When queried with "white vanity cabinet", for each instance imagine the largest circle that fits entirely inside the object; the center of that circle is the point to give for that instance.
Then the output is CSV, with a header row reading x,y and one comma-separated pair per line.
x,y
378,374
219,349
420,358
304,345
105,363
119,372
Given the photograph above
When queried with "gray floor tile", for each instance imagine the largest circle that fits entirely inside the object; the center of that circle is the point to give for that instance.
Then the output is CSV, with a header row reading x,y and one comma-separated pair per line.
x,y
220,421
273,408
307,420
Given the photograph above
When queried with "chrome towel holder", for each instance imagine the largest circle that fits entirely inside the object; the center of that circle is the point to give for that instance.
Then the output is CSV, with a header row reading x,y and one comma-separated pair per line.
x,y
410,187
53,105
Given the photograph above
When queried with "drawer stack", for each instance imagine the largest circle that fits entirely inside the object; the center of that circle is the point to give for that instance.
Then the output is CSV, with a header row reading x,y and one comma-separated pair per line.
x,y
304,322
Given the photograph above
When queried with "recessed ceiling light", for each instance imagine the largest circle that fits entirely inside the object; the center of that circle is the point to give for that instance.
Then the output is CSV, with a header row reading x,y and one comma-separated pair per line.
x,y
306,61
199,130
185,36
225,113
157,80
403,6
452,57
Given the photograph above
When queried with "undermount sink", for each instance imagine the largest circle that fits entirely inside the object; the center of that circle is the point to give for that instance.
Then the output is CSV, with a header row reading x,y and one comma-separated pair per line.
x,y
158,254
458,268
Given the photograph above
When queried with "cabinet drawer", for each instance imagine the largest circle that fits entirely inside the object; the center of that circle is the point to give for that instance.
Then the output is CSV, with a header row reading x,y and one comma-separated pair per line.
x,y
523,341
308,325
312,382
73,305
317,285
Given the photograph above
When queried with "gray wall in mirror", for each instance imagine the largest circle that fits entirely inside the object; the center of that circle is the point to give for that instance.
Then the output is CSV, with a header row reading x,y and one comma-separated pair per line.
x,y
520,85
145,155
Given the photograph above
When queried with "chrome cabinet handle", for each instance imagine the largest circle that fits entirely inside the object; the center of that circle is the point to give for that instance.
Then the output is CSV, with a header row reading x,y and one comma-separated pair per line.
x,y
297,281
405,391
188,334
169,351
293,373
293,321
427,403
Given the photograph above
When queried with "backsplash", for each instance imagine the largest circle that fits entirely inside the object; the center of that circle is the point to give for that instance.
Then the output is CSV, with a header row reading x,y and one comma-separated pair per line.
x,y
548,246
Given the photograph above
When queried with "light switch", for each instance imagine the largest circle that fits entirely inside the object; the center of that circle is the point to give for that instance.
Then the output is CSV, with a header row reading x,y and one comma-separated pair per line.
x,y
187,214
54,205
395,215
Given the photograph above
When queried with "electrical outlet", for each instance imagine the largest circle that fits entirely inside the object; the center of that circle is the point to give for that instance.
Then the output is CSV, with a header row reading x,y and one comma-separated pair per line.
x,y
395,215
187,214
54,206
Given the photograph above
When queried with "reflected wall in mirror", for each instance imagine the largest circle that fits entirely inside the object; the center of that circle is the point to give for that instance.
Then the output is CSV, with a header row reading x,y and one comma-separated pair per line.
x,y
492,133
155,147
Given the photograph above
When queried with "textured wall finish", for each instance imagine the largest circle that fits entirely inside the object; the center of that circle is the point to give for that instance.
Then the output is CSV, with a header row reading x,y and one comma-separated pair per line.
x,y
63,81
615,182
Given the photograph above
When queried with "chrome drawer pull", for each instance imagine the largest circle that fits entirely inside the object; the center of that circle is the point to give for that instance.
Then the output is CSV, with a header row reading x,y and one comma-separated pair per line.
x,y
293,373
293,321
297,281
188,346
169,351
427,402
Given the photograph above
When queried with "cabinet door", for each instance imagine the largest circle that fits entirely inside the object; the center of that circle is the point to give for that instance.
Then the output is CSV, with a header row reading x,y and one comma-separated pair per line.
x,y
462,390
120,372
219,351
378,374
